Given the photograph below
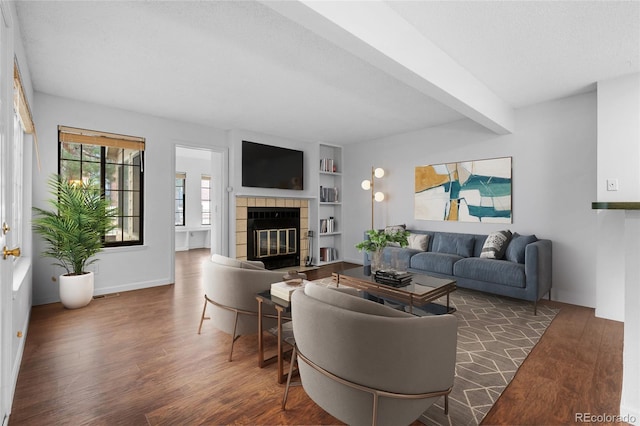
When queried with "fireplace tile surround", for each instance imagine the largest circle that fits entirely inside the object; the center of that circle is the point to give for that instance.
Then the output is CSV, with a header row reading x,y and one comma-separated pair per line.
x,y
244,202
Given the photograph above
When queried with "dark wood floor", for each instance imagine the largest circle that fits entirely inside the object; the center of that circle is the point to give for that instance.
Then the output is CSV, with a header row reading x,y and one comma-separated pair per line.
x,y
136,359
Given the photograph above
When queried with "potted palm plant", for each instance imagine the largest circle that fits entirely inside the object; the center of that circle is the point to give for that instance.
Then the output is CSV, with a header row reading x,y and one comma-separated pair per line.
x,y
378,239
73,231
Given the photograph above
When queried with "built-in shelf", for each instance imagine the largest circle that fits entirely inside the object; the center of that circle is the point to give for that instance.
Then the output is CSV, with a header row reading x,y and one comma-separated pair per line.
x,y
329,206
615,205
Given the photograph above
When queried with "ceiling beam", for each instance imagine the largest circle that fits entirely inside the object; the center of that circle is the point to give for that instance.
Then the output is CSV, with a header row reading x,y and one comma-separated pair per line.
x,y
375,33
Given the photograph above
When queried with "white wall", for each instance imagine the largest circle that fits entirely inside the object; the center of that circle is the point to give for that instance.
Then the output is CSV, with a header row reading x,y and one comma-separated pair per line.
x,y
618,158
126,268
554,179
310,179
618,251
619,137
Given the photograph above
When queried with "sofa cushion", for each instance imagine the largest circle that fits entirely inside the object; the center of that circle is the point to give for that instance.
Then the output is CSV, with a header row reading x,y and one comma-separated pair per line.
x,y
460,244
517,245
235,263
418,241
344,300
495,245
494,271
441,263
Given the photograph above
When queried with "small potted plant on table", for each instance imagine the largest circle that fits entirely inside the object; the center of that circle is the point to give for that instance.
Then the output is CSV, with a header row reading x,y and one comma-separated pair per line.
x,y
73,231
377,240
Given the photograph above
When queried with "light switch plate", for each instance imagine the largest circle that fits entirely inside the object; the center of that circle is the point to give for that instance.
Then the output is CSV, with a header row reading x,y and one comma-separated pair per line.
x,y
612,184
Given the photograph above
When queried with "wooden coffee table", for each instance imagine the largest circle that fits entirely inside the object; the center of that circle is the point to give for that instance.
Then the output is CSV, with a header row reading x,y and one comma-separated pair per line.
x,y
421,291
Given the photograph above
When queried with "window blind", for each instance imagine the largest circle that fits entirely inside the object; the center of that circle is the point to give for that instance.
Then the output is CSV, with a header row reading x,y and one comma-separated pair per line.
x,y
90,137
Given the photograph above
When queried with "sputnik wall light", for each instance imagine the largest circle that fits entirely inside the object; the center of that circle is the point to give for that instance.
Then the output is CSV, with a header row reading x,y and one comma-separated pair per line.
x,y
369,185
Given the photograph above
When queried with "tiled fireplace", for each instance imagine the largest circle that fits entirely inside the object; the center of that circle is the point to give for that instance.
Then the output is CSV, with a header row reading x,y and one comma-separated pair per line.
x,y
272,230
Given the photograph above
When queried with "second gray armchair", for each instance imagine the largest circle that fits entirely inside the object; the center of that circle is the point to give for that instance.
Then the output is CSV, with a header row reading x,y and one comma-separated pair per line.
x,y
230,287
366,363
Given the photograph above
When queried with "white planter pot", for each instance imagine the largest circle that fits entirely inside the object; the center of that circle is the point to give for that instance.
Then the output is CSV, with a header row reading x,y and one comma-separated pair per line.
x,y
76,291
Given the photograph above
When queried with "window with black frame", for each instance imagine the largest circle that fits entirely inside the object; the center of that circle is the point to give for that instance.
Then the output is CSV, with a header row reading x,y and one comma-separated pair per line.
x,y
180,198
205,199
117,163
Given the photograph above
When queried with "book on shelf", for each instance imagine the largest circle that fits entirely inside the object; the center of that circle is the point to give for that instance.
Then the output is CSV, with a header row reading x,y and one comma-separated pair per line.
x,y
328,165
328,254
284,289
328,195
327,225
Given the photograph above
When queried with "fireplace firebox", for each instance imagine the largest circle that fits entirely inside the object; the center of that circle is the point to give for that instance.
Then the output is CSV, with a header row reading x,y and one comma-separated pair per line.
x,y
273,236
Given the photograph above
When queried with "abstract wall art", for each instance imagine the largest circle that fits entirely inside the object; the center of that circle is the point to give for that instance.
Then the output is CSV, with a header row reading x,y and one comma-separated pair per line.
x,y
467,191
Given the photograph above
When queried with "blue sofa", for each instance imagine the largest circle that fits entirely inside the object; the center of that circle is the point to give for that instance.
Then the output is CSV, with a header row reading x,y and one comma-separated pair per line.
x,y
523,273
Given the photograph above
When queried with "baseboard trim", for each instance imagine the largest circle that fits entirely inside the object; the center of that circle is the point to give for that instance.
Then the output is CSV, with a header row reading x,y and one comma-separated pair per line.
x,y
114,289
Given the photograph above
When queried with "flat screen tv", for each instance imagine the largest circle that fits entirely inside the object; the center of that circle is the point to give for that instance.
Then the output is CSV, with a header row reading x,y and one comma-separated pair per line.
x,y
266,166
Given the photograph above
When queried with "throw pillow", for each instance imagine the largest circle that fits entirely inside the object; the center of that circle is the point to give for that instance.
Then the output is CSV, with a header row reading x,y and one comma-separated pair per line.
x,y
418,241
395,228
516,248
391,229
495,245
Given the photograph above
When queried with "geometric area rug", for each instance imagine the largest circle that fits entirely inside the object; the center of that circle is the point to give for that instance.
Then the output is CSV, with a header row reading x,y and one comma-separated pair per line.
x,y
495,335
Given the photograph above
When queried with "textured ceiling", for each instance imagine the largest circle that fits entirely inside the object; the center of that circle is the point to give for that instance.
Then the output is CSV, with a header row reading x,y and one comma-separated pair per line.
x,y
241,65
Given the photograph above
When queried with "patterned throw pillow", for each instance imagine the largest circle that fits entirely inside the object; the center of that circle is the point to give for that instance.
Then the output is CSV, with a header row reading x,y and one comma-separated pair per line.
x,y
495,245
418,241
392,229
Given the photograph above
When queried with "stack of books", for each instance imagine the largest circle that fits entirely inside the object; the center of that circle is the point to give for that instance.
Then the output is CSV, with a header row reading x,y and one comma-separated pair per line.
x,y
284,289
327,225
327,165
328,254
394,278
328,195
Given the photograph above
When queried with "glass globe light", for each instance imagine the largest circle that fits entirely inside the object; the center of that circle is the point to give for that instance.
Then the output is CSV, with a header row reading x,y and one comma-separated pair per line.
x,y
379,172
379,196
366,185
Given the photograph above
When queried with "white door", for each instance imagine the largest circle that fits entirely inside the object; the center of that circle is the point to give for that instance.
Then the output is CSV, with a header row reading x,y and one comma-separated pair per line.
x,y
6,274
6,182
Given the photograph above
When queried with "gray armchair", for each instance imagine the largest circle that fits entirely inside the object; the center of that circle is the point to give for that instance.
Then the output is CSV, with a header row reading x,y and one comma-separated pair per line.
x,y
366,363
230,286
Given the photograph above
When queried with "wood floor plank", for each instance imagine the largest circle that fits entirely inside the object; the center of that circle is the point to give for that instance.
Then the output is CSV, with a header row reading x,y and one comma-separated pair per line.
x,y
559,377
135,358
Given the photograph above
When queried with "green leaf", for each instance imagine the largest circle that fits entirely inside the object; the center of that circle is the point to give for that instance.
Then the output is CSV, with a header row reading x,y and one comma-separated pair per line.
x,y
379,238
74,228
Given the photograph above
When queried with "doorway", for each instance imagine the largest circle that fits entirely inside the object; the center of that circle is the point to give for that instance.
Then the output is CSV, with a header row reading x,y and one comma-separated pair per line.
x,y
200,198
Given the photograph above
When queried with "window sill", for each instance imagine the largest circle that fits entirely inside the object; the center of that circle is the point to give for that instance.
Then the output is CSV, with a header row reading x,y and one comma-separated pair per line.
x,y
21,269
122,249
